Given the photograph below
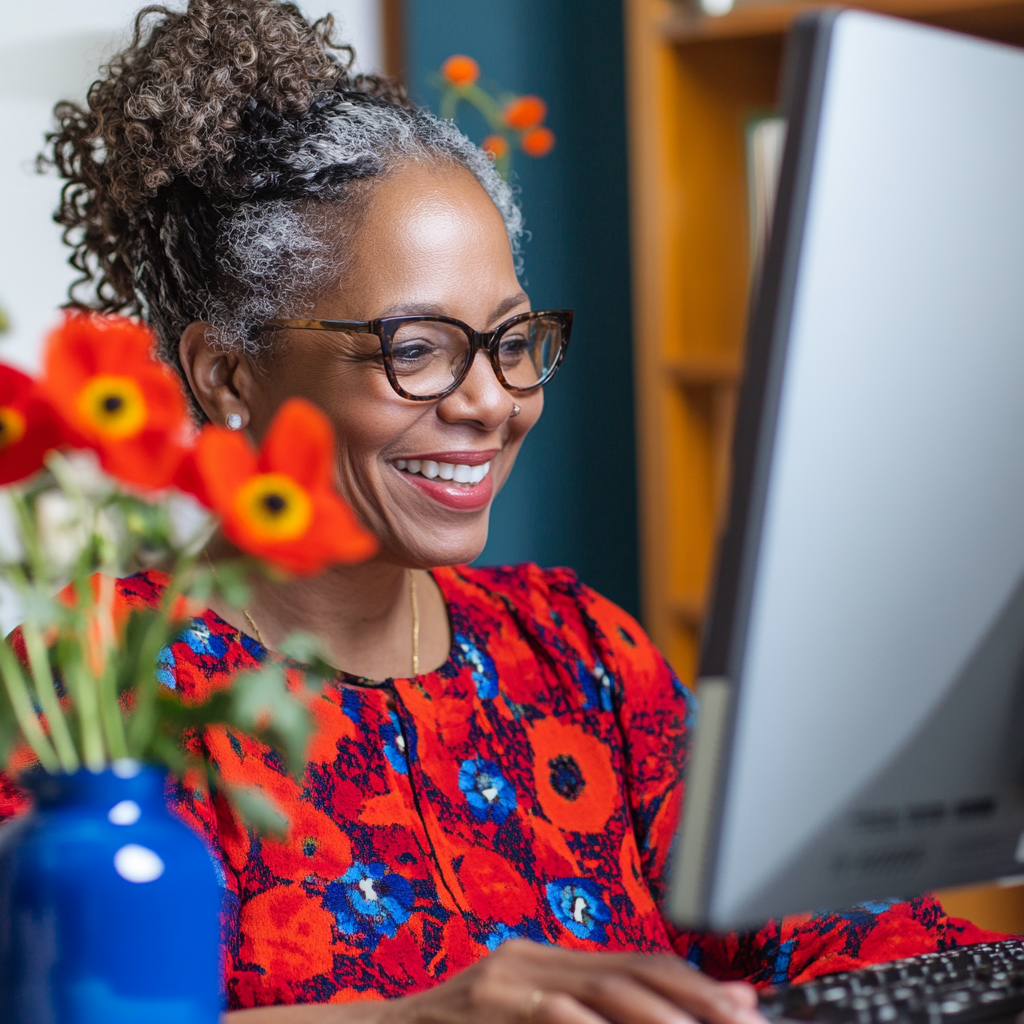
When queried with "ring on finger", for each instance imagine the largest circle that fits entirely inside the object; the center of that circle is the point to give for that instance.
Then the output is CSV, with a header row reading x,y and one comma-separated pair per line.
x,y
534,1000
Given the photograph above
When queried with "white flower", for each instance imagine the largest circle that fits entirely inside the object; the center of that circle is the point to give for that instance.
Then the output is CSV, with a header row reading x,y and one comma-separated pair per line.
x,y
62,534
191,523
80,471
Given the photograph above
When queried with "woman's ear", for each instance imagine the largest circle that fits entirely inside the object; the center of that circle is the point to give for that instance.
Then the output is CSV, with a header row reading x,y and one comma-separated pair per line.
x,y
222,380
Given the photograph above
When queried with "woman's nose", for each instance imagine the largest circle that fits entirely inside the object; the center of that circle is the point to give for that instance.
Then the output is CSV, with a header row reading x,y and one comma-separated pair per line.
x,y
480,397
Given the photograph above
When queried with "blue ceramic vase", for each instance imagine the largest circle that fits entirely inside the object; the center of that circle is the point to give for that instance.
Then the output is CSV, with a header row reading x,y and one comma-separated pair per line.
x,y
109,906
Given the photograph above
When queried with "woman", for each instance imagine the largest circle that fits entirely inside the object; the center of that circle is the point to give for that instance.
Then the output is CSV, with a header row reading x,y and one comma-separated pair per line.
x,y
482,830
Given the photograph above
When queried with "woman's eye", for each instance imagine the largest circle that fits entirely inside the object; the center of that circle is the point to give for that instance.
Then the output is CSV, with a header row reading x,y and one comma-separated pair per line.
x,y
412,351
514,346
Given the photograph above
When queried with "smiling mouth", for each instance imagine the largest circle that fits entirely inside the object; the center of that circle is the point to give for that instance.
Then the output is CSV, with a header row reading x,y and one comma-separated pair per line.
x,y
452,472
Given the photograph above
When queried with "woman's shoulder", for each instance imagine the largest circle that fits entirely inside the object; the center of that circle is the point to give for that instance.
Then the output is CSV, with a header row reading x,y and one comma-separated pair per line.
x,y
143,589
553,606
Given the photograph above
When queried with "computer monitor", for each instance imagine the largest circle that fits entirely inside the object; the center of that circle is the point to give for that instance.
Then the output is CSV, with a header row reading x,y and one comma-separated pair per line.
x,y
861,693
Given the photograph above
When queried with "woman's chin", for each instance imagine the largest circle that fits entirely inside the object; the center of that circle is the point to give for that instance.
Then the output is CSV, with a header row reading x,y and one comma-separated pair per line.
x,y
445,550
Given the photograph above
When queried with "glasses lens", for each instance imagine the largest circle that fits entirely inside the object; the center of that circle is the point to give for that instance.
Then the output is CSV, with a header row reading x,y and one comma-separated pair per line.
x,y
529,350
428,356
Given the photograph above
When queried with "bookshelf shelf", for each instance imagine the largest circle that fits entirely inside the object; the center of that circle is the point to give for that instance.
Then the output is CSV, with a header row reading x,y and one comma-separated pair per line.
x,y
1003,21
694,83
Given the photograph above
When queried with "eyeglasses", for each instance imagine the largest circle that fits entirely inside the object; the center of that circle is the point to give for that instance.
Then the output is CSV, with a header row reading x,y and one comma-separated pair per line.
x,y
428,357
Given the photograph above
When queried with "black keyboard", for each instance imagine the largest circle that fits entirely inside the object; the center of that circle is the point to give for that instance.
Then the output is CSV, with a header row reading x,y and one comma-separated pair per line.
x,y
970,983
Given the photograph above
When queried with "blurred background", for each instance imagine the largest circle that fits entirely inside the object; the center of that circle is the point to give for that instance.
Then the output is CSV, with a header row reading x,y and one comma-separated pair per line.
x,y
646,218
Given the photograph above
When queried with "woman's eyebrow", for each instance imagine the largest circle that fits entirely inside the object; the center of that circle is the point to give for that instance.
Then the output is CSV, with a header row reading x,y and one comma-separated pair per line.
x,y
432,309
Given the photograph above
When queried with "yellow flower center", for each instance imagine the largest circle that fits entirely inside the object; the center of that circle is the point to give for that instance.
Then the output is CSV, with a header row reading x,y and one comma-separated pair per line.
x,y
113,406
274,507
12,426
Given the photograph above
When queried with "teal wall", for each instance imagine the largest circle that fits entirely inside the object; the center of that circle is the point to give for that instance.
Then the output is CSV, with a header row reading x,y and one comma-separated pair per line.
x,y
572,497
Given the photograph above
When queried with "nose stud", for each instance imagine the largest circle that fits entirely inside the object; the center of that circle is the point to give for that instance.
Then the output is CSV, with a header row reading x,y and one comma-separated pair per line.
x,y
515,411
234,421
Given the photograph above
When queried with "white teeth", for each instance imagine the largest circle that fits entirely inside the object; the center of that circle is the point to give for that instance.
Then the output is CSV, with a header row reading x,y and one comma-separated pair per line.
x,y
458,473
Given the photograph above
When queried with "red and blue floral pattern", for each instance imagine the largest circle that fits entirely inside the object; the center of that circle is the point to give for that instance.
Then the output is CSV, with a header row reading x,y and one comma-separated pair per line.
x,y
530,787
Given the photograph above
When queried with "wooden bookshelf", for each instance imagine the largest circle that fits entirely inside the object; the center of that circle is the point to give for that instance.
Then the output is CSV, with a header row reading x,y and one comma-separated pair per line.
x,y
694,82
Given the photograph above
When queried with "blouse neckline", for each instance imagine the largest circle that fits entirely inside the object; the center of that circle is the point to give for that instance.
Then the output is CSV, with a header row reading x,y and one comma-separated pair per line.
x,y
442,577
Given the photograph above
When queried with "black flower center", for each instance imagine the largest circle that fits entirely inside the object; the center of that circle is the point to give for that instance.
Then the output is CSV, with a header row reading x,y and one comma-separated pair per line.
x,y
566,778
112,403
274,503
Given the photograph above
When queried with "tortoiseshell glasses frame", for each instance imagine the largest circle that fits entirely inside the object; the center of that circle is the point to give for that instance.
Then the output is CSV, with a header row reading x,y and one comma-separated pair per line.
x,y
428,357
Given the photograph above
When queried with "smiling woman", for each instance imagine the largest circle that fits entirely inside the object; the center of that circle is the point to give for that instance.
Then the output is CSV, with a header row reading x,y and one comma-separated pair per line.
x,y
482,828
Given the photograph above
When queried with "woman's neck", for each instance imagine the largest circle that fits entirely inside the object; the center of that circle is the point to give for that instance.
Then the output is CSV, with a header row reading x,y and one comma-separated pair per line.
x,y
361,614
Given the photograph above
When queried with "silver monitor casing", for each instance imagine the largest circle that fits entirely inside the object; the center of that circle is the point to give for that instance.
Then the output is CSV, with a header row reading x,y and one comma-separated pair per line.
x,y
861,726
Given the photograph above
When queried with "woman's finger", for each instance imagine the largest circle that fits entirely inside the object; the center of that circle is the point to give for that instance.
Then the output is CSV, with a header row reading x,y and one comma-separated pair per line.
x,y
561,1008
704,998
621,999
744,994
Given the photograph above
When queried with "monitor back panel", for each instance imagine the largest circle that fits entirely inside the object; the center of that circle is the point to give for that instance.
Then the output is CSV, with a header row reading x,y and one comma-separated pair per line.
x,y
861,733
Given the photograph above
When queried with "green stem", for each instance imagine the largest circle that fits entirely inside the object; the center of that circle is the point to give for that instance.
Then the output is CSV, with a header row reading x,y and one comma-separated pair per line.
x,y
486,104
85,693
21,703
140,728
84,687
29,537
449,104
46,691
110,708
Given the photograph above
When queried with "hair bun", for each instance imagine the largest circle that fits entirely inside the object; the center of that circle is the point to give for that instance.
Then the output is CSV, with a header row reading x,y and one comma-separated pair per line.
x,y
172,102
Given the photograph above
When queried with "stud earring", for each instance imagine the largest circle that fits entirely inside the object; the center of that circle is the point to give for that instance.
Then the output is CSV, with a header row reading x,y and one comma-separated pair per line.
x,y
234,421
515,411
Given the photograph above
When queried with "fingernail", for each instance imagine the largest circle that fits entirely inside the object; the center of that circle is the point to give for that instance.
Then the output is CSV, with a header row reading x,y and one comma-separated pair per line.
x,y
750,1017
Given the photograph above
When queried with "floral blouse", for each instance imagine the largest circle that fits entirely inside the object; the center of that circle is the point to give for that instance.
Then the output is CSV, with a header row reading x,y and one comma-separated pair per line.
x,y
529,787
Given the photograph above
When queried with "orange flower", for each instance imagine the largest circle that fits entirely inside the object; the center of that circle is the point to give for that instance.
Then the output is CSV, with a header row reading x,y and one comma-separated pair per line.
x,y
538,142
495,146
280,504
525,113
100,374
29,427
460,70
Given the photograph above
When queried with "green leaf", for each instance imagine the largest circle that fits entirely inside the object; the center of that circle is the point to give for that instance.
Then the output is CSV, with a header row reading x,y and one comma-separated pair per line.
x,y
262,706
307,650
8,726
257,809
231,581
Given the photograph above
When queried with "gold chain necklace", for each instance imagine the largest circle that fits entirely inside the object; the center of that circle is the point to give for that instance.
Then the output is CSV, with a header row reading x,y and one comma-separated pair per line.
x,y
415,618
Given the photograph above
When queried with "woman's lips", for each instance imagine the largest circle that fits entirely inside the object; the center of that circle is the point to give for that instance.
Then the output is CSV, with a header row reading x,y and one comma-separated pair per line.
x,y
461,497
460,480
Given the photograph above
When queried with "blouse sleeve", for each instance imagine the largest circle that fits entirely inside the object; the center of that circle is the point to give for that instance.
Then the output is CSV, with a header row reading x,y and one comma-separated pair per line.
x,y
657,713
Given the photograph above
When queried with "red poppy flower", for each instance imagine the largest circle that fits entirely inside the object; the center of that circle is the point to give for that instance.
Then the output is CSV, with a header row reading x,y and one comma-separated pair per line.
x,y
460,70
100,374
538,142
525,113
280,504
29,427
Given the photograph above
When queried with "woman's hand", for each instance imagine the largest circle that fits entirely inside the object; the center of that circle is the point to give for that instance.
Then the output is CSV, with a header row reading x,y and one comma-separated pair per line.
x,y
526,983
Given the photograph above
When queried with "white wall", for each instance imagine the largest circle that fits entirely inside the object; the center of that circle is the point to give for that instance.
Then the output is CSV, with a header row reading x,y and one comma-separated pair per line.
x,y
50,50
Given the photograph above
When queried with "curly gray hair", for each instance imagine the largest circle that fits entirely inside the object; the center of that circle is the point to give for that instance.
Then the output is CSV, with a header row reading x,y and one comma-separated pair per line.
x,y
277,250
211,155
